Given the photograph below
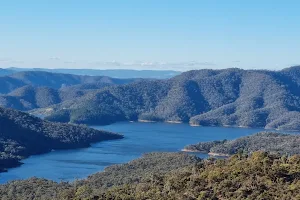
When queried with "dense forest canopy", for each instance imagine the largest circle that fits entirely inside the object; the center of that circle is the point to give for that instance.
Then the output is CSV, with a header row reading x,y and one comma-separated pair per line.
x,y
277,143
229,97
262,166
176,176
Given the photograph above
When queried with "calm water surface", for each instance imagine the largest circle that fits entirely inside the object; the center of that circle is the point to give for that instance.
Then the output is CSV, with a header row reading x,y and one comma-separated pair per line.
x,y
139,138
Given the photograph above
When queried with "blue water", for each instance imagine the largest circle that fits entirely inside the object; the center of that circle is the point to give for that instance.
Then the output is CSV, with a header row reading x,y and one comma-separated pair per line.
x,y
68,165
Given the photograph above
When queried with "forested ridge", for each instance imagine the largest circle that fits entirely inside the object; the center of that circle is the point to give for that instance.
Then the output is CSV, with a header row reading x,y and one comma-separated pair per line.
x,y
275,143
115,73
176,176
229,97
52,80
22,135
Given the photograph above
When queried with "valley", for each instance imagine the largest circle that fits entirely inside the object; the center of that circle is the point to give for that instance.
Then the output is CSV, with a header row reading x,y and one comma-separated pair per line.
x,y
226,111
149,100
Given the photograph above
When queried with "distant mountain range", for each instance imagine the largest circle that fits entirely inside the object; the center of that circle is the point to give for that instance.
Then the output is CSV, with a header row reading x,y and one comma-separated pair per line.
x,y
114,73
229,97
22,135
54,80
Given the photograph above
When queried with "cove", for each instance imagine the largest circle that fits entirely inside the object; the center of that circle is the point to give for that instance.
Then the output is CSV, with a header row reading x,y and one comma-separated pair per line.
x,y
140,138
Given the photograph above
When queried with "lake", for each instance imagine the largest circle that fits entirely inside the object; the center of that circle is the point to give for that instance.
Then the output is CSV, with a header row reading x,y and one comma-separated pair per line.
x,y
68,165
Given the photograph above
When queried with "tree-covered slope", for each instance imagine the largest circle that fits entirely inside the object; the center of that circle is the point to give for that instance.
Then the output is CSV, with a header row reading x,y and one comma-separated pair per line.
x,y
29,97
31,90
176,176
259,176
230,97
277,143
150,165
22,135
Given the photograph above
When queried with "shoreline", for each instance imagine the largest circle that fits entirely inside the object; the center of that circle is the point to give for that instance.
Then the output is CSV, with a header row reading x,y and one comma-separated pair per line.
x,y
195,125
192,124
218,154
198,125
205,152
151,121
173,122
145,121
14,163
192,151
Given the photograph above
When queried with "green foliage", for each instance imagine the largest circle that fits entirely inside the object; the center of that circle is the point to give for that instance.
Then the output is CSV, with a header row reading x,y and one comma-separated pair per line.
x,y
229,97
149,167
277,143
258,176
37,89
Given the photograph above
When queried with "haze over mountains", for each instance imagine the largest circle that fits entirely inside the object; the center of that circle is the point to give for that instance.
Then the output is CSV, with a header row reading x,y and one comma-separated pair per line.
x,y
5,72
52,80
229,97
114,73
30,90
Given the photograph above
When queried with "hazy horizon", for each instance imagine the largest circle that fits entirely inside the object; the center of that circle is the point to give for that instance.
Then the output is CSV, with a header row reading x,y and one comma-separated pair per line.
x,y
168,35
153,68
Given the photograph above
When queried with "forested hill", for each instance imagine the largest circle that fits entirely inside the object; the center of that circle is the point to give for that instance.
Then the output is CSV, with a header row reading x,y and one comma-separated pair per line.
x,y
22,135
229,97
276,143
52,80
29,97
37,89
115,73
175,176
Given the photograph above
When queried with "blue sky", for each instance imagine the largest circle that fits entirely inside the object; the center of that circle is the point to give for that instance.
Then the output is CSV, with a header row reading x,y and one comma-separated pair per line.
x,y
144,34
